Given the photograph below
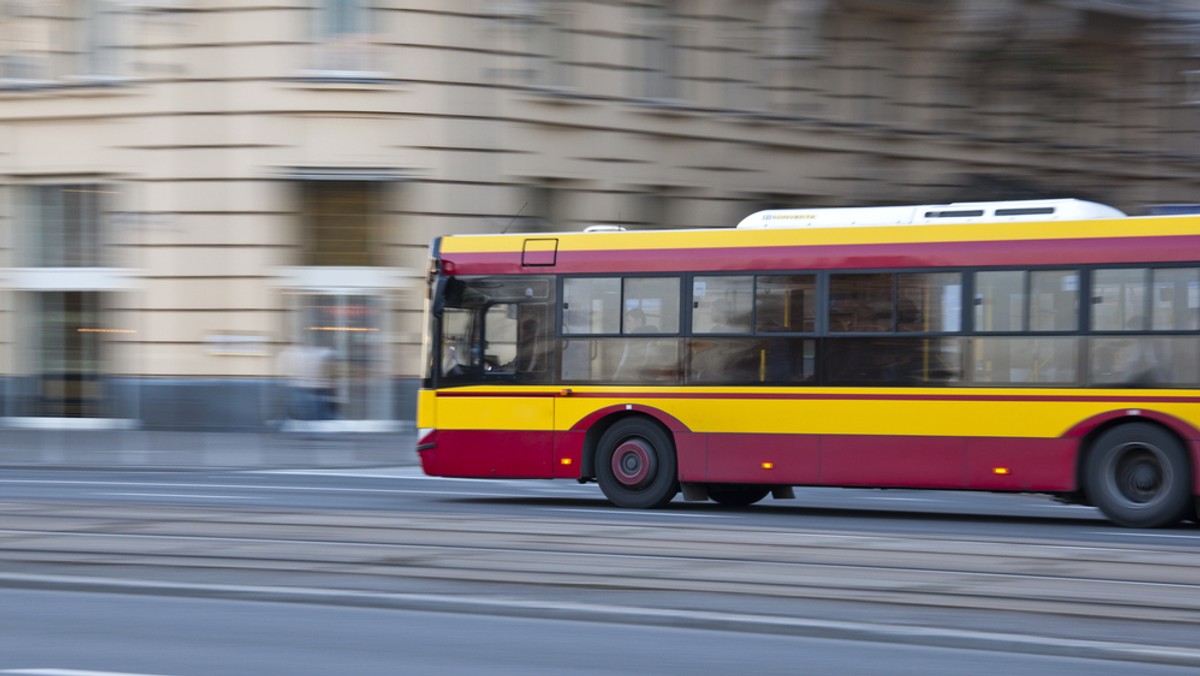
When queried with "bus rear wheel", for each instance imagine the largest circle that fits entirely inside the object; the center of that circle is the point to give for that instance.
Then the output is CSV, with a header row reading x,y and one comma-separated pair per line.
x,y
1138,475
734,495
636,465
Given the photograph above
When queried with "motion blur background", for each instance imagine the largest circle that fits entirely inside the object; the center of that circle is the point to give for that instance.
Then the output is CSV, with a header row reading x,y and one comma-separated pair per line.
x,y
188,187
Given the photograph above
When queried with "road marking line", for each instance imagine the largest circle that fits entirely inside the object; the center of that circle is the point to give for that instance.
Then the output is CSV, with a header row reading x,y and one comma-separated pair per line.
x,y
182,495
395,473
71,672
1134,534
380,473
307,489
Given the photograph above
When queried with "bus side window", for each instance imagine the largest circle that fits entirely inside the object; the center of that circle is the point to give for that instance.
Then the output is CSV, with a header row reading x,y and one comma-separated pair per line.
x,y
722,304
860,303
786,303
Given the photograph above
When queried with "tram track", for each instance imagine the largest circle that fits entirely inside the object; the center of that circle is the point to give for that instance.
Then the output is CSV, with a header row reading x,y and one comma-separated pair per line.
x,y
374,551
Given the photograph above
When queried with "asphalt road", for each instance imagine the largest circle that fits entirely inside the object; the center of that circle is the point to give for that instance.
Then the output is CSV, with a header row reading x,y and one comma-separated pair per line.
x,y
407,489
50,633
930,572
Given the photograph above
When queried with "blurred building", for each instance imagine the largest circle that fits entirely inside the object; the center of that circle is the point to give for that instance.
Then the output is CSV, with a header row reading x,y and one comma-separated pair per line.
x,y
190,186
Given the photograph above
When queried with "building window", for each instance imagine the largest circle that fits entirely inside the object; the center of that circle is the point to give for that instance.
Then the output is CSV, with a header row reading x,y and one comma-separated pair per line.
x,y
98,38
51,41
341,223
343,33
341,17
660,55
61,257
22,56
550,40
792,52
70,341
63,225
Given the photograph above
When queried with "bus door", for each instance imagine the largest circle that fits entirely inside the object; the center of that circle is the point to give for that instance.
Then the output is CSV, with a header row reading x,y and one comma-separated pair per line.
x,y
495,417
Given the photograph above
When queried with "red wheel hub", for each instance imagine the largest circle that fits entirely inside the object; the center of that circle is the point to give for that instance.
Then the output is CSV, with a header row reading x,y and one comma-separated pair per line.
x,y
633,463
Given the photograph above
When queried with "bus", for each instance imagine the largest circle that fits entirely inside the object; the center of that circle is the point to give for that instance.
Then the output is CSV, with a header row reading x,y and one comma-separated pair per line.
x,y
1044,346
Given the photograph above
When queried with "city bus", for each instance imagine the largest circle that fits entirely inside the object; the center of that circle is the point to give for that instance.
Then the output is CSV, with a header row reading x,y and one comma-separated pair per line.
x,y
1045,346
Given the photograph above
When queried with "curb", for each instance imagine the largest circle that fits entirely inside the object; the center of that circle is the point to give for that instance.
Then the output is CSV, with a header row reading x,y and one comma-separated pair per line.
x,y
583,612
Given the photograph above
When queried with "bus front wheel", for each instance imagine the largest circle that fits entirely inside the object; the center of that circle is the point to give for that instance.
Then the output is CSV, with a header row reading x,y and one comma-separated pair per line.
x,y
636,466
1138,475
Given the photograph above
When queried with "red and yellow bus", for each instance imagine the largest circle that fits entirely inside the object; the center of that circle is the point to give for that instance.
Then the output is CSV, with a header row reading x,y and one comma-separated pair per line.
x,y
1036,346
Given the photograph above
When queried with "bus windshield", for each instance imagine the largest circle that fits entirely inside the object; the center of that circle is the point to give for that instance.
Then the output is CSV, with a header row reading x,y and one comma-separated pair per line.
x,y
495,329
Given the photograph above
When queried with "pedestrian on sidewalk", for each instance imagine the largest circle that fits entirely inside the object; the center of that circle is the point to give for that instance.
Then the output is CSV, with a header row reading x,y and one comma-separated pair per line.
x,y
308,371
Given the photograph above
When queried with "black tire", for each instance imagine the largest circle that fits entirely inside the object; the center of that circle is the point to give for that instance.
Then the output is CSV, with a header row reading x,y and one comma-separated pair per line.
x,y
1139,475
636,465
735,495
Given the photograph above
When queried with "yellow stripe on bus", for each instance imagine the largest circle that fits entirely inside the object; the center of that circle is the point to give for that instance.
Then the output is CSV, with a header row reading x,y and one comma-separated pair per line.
x,y
969,413
913,234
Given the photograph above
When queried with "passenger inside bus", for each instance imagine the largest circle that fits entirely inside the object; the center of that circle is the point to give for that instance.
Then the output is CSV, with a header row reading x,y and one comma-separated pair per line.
x,y
636,354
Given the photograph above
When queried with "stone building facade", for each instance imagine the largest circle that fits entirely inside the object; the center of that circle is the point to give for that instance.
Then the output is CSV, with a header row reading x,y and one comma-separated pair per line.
x,y
189,186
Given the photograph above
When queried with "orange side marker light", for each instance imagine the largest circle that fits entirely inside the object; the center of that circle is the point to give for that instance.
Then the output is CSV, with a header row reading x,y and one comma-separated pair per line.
x,y
768,465
1000,470
566,461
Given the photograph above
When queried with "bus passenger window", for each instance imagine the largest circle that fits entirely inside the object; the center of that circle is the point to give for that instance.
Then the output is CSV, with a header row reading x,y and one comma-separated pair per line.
x,y
786,304
601,305
591,305
1176,301
929,302
728,360
646,360
893,361
860,303
656,299
722,304
1000,301
742,361
1145,361
1119,299
1025,360
1054,300
621,360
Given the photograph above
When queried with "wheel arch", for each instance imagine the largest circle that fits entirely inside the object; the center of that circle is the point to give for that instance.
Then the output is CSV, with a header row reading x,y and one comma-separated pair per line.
x,y
598,422
1088,431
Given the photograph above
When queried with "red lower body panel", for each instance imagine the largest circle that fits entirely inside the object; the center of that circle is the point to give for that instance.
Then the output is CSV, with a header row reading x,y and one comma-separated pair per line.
x,y
764,458
490,454
920,462
1002,464
1021,464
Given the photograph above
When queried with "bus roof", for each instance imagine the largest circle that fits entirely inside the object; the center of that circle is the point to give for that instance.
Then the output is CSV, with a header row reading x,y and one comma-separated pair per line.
x,y
955,212
938,241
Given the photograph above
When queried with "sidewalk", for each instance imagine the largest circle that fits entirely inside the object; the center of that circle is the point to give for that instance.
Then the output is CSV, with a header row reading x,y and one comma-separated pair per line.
x,y
136,449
